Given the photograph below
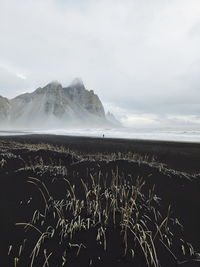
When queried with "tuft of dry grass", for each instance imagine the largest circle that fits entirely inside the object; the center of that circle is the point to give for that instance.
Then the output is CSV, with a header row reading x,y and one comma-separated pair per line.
x,y
91,216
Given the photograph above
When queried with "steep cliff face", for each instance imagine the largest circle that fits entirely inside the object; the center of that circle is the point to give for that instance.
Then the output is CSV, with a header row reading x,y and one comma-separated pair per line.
x,y
4,109
84,100
54,106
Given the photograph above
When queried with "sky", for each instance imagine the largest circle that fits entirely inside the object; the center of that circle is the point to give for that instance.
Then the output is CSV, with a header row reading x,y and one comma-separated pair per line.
x,y
141,57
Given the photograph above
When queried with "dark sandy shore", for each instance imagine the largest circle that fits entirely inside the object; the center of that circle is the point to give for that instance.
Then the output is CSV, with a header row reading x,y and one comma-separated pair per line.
x,y
173,168
178,155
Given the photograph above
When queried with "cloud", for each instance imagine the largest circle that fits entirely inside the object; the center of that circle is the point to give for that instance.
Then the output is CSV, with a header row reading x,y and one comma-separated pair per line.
x,y
21,76
141,56
141,120
11,83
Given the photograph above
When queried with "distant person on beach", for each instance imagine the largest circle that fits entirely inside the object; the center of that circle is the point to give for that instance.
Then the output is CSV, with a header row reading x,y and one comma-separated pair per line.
x,y
103,135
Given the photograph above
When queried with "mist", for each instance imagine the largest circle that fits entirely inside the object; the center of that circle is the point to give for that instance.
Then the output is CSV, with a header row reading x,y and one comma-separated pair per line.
x,y
142,58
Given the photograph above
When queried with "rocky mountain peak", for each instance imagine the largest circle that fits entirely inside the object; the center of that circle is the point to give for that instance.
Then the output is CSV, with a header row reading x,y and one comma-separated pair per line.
x,y
77,83
54,106
53,87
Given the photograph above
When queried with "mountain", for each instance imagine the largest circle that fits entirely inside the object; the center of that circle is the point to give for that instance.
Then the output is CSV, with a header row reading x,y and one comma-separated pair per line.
x,y
111,118
54,106
4,108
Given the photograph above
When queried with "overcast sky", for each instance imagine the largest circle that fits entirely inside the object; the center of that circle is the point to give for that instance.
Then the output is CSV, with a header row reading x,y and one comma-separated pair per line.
x,y
142,57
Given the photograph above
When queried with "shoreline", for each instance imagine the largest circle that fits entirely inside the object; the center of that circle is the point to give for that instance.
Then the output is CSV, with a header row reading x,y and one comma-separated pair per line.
x,y
23,133
183,156
167,135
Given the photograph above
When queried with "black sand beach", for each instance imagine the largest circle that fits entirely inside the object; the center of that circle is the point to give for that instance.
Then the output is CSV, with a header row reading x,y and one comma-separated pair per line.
x,y
184,156
171,168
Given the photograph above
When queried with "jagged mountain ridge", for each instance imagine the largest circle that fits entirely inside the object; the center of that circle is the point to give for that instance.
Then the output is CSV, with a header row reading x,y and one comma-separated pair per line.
x,y
111,118
54,106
